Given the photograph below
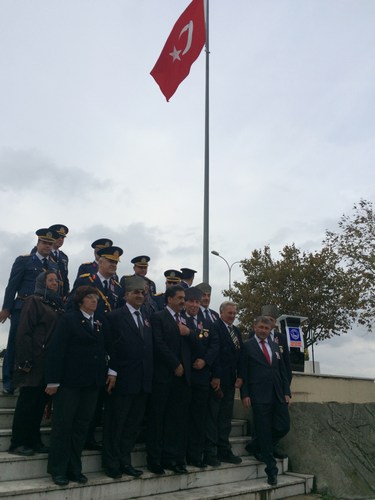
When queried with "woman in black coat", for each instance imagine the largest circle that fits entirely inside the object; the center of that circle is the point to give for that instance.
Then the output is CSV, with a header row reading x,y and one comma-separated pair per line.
x,y
37,323
76,369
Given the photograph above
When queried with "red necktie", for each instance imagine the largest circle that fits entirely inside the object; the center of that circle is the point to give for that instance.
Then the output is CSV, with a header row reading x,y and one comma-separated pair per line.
x,y
265,352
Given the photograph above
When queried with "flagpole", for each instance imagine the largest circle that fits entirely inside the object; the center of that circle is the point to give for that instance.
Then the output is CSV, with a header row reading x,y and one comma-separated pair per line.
x,y
206,209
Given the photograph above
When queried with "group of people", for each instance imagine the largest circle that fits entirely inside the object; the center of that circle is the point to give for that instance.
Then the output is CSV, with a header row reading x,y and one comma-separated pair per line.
x,y
166,363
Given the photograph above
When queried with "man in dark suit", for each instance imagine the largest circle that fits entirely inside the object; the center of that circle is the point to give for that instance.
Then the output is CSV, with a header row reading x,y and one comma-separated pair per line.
x,y
172,277
21,284
266,389
226,377
167,423
204,350
131,365
204,311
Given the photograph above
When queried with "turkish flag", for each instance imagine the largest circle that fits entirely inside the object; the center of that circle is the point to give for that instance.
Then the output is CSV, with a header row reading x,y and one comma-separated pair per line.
x,y
182,48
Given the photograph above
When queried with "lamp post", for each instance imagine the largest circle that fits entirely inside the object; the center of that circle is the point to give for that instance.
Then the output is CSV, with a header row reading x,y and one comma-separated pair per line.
x,y
214,252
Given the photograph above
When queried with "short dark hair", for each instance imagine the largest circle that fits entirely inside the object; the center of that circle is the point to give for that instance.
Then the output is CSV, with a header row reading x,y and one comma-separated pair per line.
x,y
172,290
81,293
262,319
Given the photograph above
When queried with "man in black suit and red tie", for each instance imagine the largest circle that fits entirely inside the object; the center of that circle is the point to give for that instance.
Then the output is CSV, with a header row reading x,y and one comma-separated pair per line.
x,y
130,367
168,411
266,389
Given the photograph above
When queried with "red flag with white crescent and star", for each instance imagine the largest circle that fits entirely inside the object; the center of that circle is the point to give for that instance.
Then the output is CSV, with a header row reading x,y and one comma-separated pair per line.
x,y
181,49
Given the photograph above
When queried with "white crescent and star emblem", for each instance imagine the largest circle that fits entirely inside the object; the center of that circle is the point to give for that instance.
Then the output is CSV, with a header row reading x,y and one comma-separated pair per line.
x,y
175,54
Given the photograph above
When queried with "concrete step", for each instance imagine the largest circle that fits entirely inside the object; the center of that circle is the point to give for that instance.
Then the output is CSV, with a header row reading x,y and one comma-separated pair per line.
x,y
7,401
239,428
13,467
6,418
225,477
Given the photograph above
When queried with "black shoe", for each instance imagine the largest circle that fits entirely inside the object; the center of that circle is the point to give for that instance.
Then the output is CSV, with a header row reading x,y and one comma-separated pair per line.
x,y
129,470
155,468
8,392
60,480
113,473
279,454
212,461
93,445
80,479
41,448
272,479
177,469
197,463
22,451
229,458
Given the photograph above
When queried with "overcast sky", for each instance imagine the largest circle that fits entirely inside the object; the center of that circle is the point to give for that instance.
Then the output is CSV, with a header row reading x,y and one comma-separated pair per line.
x,y
88,140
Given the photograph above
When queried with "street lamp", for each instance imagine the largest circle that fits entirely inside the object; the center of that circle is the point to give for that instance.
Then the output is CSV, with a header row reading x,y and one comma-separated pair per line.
x,y
214,252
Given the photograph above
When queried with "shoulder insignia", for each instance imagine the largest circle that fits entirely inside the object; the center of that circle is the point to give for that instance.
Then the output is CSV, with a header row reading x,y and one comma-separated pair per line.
x,y
86,263
115,282
158,294
84,275
26,255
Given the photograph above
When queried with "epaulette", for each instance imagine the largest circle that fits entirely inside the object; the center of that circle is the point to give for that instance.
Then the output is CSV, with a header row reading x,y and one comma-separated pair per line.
x,y
158,294
84,275
26,255
85,263
128,275
116,282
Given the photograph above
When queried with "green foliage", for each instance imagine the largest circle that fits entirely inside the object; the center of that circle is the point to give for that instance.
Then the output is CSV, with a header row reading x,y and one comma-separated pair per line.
x,y
354,244
310,284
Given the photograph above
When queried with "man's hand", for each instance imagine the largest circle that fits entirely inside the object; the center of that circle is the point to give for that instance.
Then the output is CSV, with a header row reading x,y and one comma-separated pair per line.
x,y
4,315
184,330
246,402
199,364
288,400
179,371
50,390
215,383
110,383
238,383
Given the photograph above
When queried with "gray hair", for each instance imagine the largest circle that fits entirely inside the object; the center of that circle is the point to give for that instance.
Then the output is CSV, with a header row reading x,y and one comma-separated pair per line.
x,y
226,304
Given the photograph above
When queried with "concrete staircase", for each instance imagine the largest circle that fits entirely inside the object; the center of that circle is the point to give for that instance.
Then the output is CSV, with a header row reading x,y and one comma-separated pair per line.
x,y
26,478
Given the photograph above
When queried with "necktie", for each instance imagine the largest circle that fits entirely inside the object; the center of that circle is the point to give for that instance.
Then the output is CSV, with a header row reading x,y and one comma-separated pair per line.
x,y
139,322
265,351
105,284
91,320
45,263
234,337
207,315
56,256
177,318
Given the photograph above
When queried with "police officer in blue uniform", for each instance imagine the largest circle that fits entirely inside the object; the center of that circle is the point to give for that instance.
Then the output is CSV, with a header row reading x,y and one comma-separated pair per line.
x,y
140,266
60,257
21,284
92,267
173,277
188,276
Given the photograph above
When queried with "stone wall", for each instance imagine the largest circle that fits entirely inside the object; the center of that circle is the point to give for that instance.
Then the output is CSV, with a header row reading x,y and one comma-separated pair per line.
x,y
332,433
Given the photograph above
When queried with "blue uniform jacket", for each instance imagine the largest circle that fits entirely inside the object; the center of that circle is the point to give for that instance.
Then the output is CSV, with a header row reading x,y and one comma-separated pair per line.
x,y
22,278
